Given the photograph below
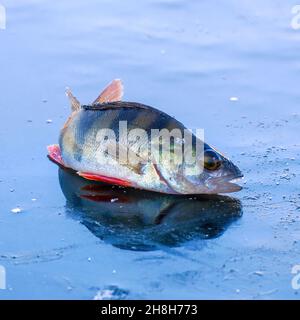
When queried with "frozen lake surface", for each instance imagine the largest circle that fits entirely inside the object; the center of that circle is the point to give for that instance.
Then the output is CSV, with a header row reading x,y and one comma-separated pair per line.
x,y
232,68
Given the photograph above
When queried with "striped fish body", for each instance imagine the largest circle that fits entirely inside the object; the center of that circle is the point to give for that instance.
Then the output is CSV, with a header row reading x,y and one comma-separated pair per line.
x,y
83,151
93,132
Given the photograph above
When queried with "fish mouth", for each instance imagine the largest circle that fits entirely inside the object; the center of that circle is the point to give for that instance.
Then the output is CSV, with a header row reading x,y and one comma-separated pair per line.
x,y
226,184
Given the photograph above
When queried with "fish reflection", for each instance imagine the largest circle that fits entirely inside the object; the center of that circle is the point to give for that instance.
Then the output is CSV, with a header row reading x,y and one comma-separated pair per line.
x,y
139,220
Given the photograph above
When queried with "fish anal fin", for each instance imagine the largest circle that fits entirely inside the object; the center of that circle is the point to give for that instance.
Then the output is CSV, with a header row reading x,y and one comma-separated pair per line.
x,y
106,179
54,154
113,92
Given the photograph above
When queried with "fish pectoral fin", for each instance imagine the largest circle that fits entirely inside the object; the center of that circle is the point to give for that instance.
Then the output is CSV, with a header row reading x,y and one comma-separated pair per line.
x,y
138,165
75,104
54,154
106,179
113,92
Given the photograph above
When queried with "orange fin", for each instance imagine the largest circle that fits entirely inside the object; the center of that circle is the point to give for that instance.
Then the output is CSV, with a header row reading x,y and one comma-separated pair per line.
x,y
54,154
98,177
113,92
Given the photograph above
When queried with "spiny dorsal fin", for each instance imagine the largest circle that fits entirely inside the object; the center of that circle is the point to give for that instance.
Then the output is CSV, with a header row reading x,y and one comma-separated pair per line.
x,y
75,104
113,92
114,105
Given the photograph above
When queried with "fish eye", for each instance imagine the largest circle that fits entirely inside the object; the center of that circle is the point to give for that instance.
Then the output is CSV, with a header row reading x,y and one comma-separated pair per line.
x,y
212,160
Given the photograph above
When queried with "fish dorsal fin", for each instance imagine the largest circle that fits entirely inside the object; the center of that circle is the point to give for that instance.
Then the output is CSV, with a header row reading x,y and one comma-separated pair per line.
x,y
114,105
113,92
75,104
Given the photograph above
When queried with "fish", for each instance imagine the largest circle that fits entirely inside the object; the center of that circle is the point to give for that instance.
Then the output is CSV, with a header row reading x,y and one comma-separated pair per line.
x,y
121,143
140,220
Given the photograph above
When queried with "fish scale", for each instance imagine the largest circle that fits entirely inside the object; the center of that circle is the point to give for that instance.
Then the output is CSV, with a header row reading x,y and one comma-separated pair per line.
x,y
81,150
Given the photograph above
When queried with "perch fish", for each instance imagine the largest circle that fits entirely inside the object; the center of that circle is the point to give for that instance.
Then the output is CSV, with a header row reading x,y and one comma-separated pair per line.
x,y
81,149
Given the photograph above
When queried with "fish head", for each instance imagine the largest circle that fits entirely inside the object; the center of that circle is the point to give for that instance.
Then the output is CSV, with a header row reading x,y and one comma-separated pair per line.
x,y
218,174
